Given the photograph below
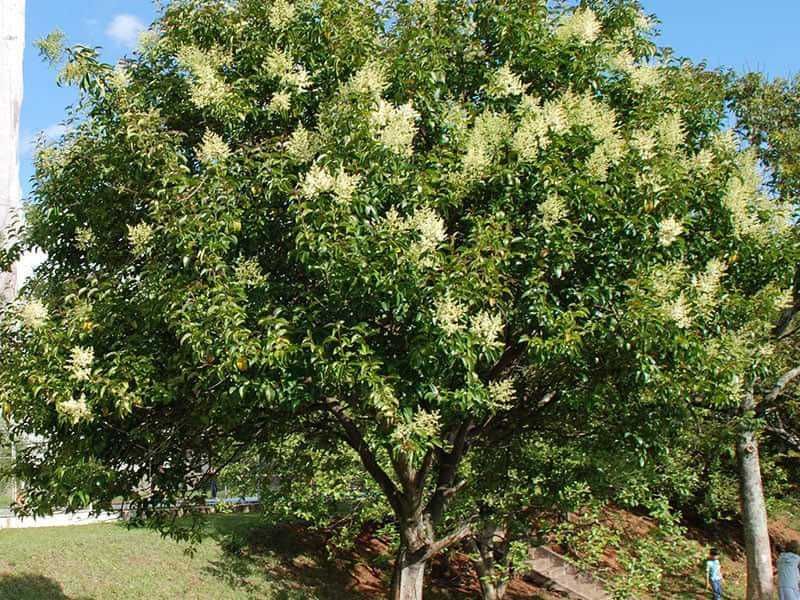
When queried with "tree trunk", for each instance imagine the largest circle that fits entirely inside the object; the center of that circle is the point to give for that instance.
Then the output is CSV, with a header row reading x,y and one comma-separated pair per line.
x,y
12,43
408,578
409,568
754,511
491,564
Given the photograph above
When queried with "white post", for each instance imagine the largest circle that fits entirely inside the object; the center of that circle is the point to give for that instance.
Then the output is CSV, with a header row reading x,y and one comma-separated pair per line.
x,y
12,44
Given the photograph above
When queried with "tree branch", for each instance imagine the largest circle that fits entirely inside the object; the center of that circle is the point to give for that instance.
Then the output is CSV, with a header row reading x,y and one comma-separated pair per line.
x,y
788,315
426,552
358,443
422,473
510,354
789,438
448,468
781,384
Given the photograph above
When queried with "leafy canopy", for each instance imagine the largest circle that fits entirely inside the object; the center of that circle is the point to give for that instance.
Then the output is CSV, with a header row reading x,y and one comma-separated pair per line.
x,y
405,225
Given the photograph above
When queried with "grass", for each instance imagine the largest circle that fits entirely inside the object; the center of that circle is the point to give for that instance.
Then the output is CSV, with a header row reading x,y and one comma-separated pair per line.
x,y
97,562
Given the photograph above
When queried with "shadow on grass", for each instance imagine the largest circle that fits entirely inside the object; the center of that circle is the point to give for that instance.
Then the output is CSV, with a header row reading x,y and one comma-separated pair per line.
x,y
293,560
32,587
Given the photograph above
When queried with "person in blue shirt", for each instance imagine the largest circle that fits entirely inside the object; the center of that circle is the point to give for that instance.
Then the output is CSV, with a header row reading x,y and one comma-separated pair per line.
x,y
714,574
789,572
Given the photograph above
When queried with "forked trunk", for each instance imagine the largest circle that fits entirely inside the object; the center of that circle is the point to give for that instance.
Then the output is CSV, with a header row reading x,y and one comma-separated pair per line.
x,y
492,590
754,513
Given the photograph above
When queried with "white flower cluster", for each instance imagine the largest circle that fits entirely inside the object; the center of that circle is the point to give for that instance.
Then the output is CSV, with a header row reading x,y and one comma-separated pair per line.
x,y
249,273
208,87
622,61
643,22
120,79
73,71
384,399
139,237
487,136
679,312
502,394
650,181
456,119
784,299
643,77
706,285
601,121
148,41
669,230
33,314
449,315
299,146
664,281
74,411
506,83
84,238
422,427
553,210
429,7
487,328
369,80
395,126
703,161
281,102
581,27
640,76
319,180
213,149
282,67
742,194
537,123
281,14
644,143
80,363
779,215
429,227
724,142
671,132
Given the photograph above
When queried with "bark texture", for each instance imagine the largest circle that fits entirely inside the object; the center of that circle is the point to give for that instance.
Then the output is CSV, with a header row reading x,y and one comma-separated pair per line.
x,y
12,42
491,564
754,511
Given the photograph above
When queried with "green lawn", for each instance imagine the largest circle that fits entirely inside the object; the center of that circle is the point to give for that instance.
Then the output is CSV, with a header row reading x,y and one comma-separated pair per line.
x,y
101,562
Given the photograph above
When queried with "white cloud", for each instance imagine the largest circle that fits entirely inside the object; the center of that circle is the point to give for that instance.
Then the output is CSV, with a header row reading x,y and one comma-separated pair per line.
x,y
125,29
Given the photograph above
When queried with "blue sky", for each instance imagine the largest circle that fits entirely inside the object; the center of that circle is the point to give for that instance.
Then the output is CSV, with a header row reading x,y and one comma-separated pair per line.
x,y
742,34
112,24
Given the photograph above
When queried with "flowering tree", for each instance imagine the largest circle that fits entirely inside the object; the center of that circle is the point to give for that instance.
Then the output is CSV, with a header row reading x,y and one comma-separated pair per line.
x,y
400,226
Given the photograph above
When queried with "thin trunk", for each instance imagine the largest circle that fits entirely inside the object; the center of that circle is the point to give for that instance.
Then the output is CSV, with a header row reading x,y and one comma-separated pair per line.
x,y
491,563
754,511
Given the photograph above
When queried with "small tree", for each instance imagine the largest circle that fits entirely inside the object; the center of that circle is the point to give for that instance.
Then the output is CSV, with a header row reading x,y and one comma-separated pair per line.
x,y
370,222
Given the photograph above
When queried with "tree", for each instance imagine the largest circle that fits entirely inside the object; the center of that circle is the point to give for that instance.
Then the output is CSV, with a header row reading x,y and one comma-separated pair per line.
x,y
400,226
768,118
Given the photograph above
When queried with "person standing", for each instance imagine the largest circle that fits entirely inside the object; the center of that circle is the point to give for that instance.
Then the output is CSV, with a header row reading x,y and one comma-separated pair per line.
x,y
714,574
789,572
